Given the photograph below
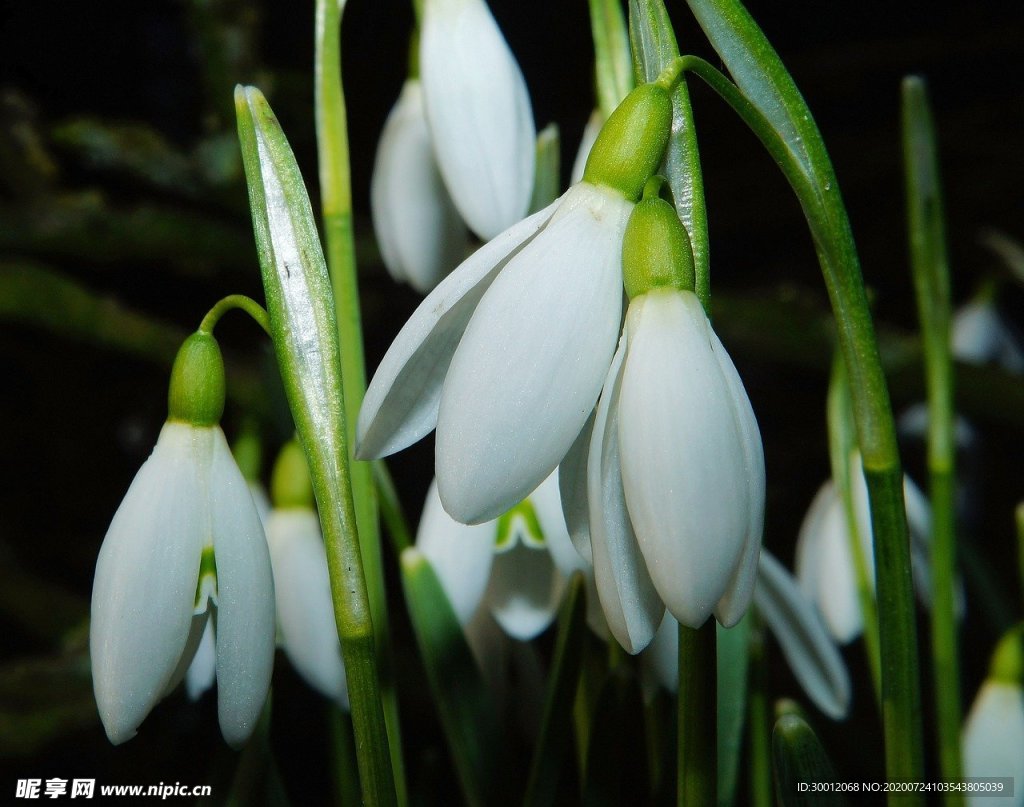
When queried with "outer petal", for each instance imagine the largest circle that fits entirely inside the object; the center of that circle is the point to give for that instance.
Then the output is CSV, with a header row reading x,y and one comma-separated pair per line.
x,y
460,555
684,470
401,402
479,113
824,567
993,738
305,611
812,656
734,604
628,596
662,656
530,365
143,594
245,599
420,233
590,132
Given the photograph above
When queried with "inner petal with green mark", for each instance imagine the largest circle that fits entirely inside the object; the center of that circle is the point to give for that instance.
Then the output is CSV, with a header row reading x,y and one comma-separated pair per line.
x,y
206,587
520,524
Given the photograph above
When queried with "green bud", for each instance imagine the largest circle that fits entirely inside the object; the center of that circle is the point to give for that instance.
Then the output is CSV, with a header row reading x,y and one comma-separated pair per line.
x,y
290,485
248,453
630,145
1008,660
656,250
196,394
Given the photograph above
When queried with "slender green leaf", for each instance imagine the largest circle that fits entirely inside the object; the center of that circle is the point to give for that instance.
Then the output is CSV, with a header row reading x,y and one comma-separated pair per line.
x,y
654,48
547,178
800,760
462,699
733,656
613,67
930,268
302,320
552,747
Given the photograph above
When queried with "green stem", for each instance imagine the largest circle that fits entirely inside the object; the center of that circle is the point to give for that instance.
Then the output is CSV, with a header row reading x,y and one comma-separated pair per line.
x,y
697,772
842,447
817,189
241,302
760,722
336,195
931,283
391,508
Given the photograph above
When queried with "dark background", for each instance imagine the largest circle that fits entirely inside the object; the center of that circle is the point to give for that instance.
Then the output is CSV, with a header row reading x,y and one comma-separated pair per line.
x,y
77,420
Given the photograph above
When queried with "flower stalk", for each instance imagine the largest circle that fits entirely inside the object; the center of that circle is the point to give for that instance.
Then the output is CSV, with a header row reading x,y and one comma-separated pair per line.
x,y
770,104
336,196
698,716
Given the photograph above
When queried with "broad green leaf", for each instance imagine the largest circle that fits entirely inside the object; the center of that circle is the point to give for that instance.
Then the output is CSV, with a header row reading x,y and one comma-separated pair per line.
x,y
463,702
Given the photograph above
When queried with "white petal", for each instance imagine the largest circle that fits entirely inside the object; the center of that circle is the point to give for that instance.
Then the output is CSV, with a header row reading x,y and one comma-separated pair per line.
x,y
260,499
144,590
628,597
524,590
401,402
203,669
684,470
824,566
812,656
590,132
305,610
980,337
547,504
993,739
530,365
731,608
420,233
245,599
572,488
479,111
460,555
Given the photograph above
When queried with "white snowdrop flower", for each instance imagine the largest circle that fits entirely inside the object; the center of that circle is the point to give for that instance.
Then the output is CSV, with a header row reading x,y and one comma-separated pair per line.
x,y
420,233
993,734
515,567
507,355
202,672
980,336
792,618
590,131
185,545
824,563
674,470
481,122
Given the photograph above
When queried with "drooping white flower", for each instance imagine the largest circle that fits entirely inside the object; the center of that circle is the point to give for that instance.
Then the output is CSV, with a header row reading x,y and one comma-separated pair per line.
x,y
185,544
479,111
507,355
993,734
515,567
812,655
675,475
305,611
420,233
824,563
